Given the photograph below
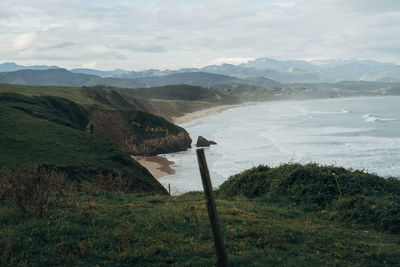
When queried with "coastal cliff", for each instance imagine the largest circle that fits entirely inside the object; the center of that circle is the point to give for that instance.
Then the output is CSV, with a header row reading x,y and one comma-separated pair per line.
x,y
139,133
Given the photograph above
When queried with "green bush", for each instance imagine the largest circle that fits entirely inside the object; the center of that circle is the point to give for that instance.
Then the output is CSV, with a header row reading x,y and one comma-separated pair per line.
x,y
381,213
367,198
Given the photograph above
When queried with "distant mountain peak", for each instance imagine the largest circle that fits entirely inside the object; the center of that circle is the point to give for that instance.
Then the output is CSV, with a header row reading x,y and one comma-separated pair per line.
x,y
318,70
12,66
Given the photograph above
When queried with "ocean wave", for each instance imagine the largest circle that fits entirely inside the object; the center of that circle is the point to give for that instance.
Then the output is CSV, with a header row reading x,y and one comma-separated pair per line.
x,y
372,118
342,111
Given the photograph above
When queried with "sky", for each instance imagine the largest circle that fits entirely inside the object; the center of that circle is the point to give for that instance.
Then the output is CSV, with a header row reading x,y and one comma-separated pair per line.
x,y
171,34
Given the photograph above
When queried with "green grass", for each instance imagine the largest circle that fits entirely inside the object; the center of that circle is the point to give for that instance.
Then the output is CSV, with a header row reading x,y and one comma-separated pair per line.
x,y
50,130
177,92
27,140
367,198
175,105
55,109
72,93
115,229
89,226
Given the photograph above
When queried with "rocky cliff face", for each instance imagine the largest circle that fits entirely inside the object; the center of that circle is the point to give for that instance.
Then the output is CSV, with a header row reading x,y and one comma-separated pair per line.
x,y
139,133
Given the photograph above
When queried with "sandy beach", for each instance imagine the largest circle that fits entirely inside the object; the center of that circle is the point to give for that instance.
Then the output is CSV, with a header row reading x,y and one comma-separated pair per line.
x,y
205,112
159,166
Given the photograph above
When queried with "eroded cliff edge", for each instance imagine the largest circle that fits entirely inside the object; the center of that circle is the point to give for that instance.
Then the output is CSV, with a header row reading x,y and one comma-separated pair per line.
x,y
139,133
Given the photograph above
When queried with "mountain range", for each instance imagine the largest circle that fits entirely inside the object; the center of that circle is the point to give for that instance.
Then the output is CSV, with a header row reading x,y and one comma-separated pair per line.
x,y
63,77
282,71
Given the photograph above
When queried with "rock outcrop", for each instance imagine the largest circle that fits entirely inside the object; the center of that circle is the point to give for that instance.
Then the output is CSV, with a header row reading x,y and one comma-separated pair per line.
x,y
201,141
139,133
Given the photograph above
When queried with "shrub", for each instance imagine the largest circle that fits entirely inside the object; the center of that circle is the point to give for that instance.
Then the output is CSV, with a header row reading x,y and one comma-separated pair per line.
x,y
35,190
306,184
367,198
110,182
381,213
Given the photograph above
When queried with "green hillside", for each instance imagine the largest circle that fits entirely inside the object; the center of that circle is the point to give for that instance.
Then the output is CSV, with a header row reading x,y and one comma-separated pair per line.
x,y
118,229
74,94
177,92
50,125
36,136
55,109
171,101
61,77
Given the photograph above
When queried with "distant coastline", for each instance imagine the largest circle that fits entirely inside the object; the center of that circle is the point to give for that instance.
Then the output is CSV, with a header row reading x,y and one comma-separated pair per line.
x,y
206,112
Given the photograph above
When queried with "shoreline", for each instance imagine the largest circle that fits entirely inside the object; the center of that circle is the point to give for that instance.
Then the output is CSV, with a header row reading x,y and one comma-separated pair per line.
x,y
206,112
160,166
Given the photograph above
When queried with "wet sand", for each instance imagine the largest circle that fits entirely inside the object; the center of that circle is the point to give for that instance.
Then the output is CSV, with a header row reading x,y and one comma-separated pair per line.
x,y
158,166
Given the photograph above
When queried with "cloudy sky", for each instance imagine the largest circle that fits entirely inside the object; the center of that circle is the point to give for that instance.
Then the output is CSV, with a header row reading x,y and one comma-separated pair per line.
x,y
162,34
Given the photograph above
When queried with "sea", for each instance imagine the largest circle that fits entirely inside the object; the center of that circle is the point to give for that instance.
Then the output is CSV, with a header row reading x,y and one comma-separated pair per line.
x,y
358,133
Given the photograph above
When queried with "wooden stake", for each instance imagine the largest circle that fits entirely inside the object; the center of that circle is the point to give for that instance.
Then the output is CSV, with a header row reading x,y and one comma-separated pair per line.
x,y
212,210
338,186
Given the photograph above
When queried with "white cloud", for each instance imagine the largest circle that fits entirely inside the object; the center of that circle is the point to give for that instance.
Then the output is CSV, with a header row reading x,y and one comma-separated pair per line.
x,y
231,60
90,65
24,40
99,49
175,33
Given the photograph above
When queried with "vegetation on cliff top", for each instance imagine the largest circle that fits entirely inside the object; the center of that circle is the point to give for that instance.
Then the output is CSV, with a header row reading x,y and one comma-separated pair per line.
x,y
366,198
169,101
93,106
56,109
119,229
139,133
27,139
179,92
289,215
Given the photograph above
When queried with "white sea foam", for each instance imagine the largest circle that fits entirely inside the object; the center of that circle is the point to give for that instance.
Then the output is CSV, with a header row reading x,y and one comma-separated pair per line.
x,y
323,112
372,118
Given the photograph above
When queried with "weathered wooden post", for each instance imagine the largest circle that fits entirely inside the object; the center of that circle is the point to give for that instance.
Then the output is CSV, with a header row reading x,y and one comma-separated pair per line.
x,y
338,186
169,189
212,210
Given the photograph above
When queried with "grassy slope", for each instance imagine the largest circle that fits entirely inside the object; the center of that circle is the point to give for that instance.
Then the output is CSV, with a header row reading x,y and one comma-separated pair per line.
x,y
72,93
177,92
114,229
56,145
55,109
26,139
119,98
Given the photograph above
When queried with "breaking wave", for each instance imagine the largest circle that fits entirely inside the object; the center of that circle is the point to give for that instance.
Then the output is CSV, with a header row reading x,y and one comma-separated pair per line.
x,y
372,118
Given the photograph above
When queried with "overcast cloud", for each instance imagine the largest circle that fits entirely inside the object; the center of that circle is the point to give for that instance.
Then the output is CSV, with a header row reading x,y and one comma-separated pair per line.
x,y
172,34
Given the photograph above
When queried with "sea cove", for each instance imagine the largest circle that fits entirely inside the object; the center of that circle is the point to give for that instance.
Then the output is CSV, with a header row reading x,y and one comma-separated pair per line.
x,y
358,133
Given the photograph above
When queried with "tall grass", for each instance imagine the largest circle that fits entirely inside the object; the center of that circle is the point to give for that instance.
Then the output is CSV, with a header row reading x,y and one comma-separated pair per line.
x,y
35,190
39,189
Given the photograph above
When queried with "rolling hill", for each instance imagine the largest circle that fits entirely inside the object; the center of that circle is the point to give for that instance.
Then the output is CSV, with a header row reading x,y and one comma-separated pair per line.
x,y
61,77
33,135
